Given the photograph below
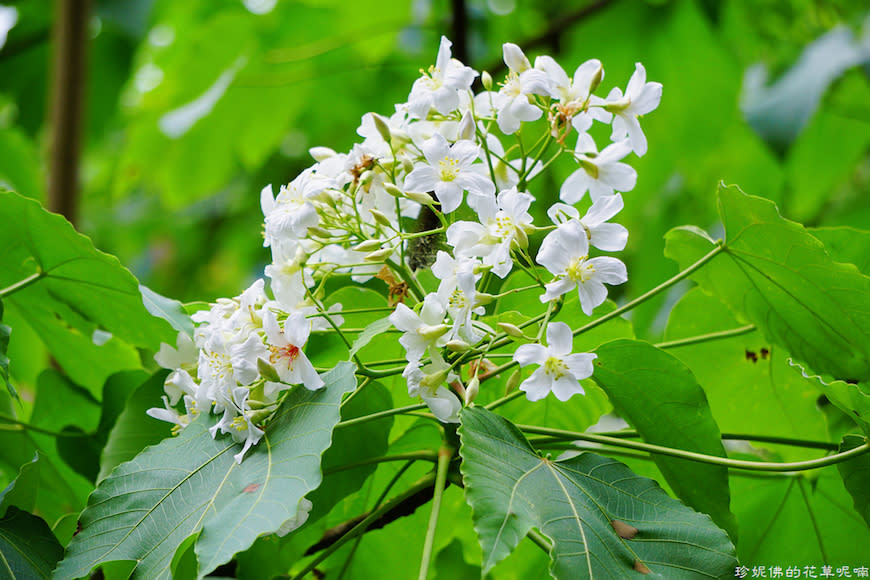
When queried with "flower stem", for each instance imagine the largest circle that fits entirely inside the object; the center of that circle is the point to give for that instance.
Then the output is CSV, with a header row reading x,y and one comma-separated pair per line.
x,y
701,457
730,333
630,433
445,454
650,293
380,415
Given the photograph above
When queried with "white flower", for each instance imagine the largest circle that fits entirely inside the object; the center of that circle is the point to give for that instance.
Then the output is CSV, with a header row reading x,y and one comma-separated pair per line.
x,y
438,86
504,221
285,352
574,93
560,371
448,171
421,331
512,101
600,173
602,235
427,382
174,358
237,422
290,214
564,252
507,172
640,98
458,293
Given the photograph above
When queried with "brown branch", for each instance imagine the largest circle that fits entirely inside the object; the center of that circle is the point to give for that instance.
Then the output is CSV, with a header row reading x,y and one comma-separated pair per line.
x,y
459,31
69,77
553,34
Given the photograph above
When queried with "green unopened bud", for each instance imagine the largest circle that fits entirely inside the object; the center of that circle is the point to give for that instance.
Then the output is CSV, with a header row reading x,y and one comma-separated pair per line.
x,y
382,126
486,80
407,165
319,232
257,417
379,256
367,246
433,332
267,371
458,346
618,106
366,178
381,218
511,329
255,405
419,197
466,126
596,80
482,299
393,190
513,382
434,380
321,153
521,239
471,391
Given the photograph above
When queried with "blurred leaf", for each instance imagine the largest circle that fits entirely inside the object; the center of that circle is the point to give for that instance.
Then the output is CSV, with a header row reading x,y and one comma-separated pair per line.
x,y
172,311
750,387
845,244
369,332
660,397
599,524
777,276
71,288
20,164
28,548
5,331
133,430
450,564
798,520
21,492
191,483
856,475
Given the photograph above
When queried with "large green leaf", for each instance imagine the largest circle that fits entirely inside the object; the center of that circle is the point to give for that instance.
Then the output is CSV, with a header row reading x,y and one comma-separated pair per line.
x,y
856,475
28,548
74,288
191,484
5,331
851,398
660,397
777,276
602,519
750,387
846,244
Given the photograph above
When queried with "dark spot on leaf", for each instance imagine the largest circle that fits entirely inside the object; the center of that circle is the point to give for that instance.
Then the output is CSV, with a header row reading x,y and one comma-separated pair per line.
x,y
751,355
251,488
641,567
625,531
78,527
764,353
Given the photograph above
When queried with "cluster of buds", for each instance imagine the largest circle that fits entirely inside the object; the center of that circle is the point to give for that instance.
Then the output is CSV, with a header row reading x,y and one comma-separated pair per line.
x,y
392,205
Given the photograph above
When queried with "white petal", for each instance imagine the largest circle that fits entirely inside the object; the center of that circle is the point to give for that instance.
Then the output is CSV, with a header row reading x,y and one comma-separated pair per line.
x,y
528,354
602,210
515,58
566,387
536,386
559,338
423,178
609,237
580,364
592,293
609,270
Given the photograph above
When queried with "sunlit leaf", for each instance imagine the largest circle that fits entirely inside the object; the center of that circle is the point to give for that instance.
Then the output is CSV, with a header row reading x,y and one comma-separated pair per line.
x,y
845,244
777,276
191,484
172,311
660,397
851,398
856,475
602,519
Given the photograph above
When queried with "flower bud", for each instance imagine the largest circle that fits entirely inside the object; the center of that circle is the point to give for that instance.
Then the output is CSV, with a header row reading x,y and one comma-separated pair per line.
x,y
319,232
471,391
321,153
432,332
381,218
511,330
379,256
393,190
367,246
257,417
596,80
466,126
382,126
513,382
421,198
486,80
482,299
366,178
267,371
458,346
434,380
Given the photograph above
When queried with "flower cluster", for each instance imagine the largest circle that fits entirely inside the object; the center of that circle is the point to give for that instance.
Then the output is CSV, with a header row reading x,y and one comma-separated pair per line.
x,y
442,184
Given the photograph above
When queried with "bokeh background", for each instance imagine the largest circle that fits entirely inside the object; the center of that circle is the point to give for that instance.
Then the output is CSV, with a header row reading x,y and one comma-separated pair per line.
x,y
191,107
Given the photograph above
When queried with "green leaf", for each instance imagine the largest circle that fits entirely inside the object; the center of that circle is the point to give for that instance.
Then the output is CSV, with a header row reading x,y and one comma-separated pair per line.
x,y
369,332
5,331
846,244
777,276
21,492
28,548
856,475
65,287
146,508
851,398
579,504
750,387
133,430
660,397
172,311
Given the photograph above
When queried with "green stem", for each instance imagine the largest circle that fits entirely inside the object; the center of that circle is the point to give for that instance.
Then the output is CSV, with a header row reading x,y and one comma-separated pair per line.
x,y
506,399
539,539
649,294
630,433
21,284
410,456
445,454
374,374
701,457
707,337
361,527
380,415
22,426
